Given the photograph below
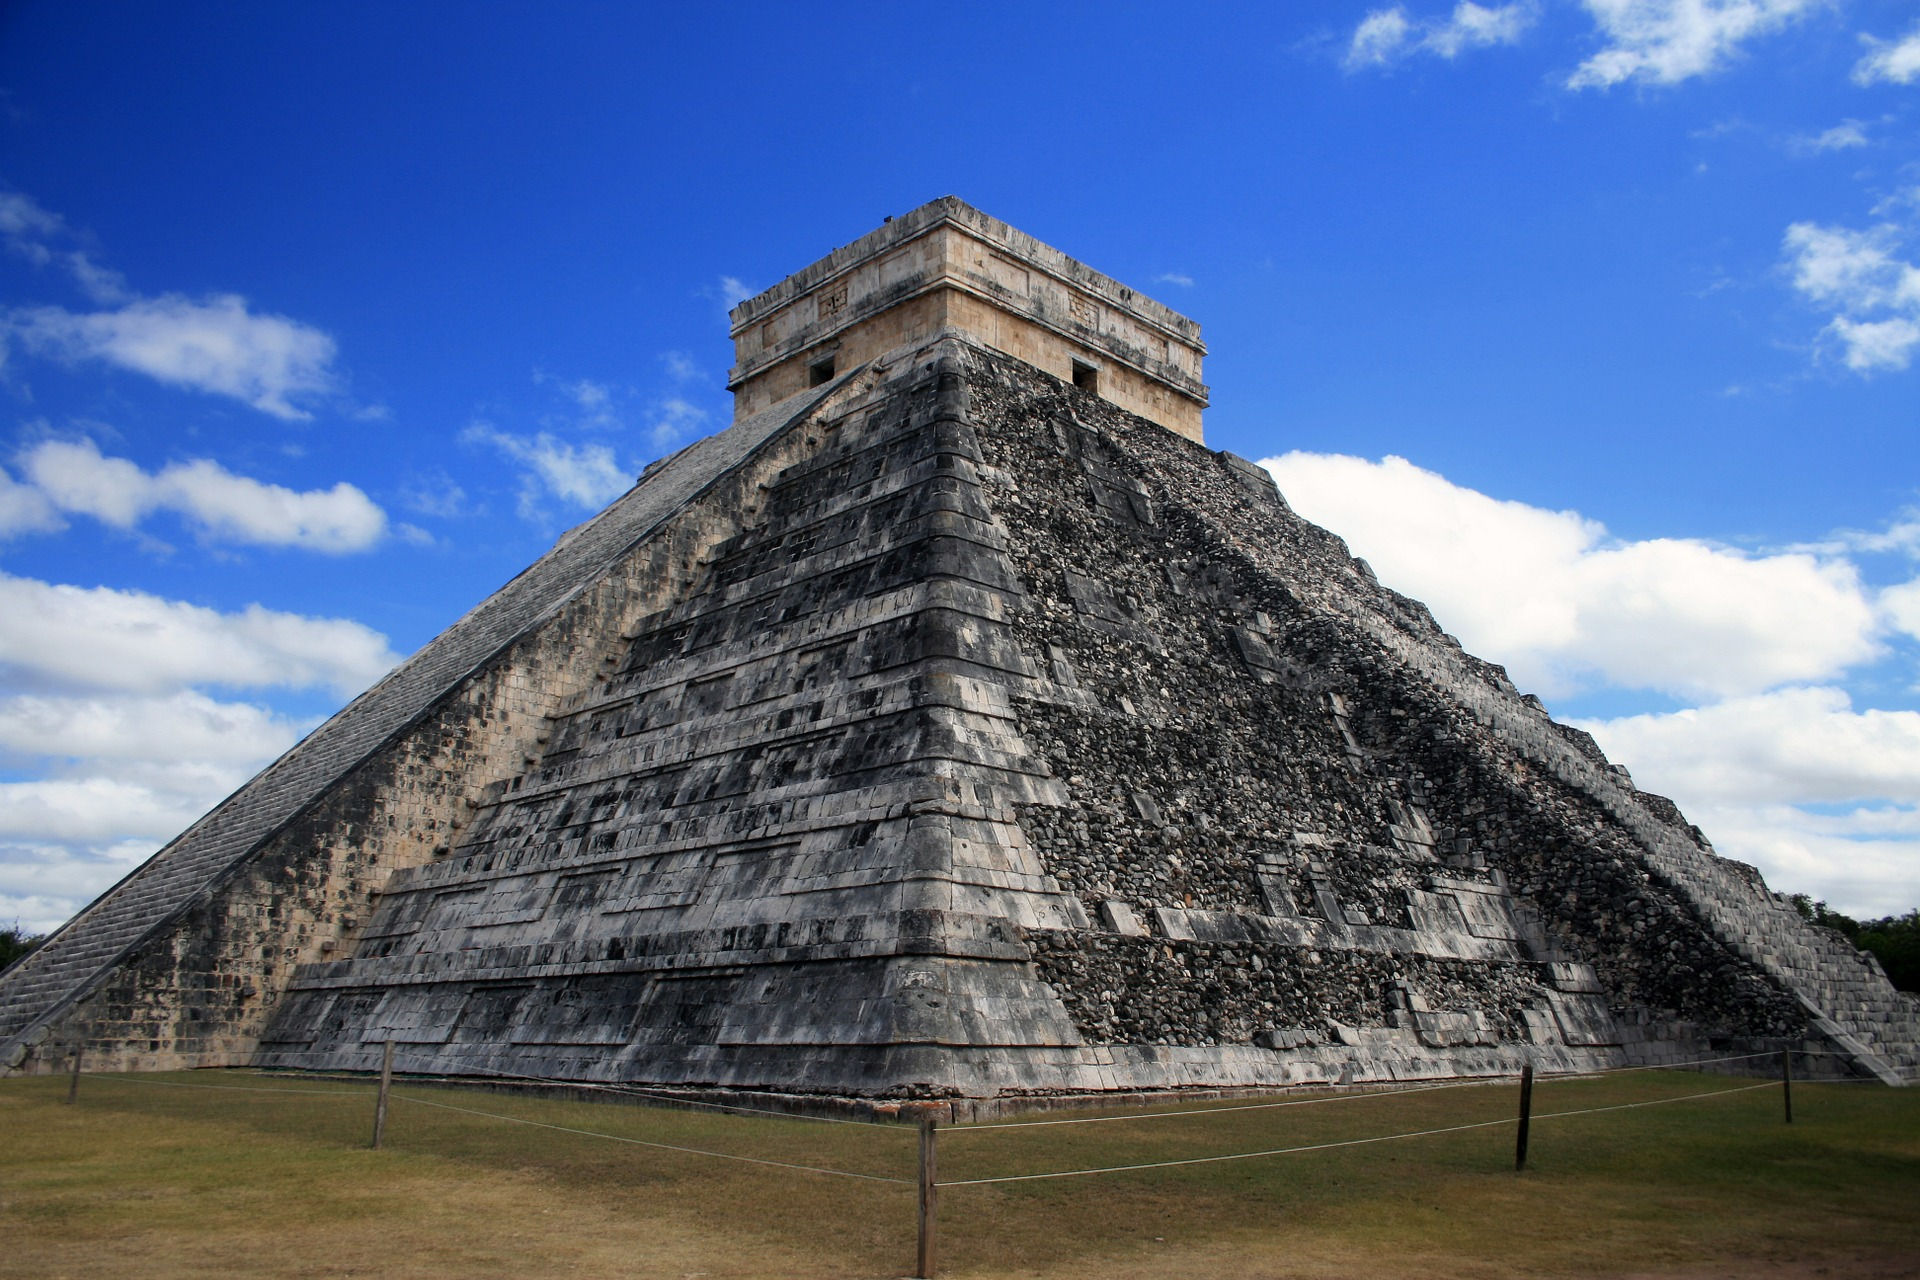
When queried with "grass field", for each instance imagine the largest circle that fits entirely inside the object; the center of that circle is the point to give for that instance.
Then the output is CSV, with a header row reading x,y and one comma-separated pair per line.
x,y
161,1176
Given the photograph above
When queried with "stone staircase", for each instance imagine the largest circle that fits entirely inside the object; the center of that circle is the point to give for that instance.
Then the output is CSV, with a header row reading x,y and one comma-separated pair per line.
x,y
1844,991
73,961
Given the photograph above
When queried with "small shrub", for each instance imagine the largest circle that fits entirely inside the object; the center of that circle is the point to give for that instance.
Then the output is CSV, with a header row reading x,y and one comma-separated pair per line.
x,y
14,944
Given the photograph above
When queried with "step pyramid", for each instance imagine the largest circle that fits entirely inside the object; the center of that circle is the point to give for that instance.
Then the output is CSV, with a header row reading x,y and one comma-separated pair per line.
x,y
954,724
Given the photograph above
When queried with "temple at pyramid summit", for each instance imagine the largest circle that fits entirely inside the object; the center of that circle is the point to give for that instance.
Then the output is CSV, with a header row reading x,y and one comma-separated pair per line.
x,y
954,725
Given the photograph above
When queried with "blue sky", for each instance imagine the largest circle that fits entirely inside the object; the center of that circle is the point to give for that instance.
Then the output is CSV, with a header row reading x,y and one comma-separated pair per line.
x,y
1594,323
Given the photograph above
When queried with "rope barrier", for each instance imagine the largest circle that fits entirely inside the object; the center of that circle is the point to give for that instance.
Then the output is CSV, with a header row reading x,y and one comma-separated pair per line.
x,y
1241,1155
1329,1146
661,1146
1658,1102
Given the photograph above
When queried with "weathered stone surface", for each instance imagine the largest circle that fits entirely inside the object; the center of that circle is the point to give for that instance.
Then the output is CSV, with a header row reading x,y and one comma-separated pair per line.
x,y
946,731
946,265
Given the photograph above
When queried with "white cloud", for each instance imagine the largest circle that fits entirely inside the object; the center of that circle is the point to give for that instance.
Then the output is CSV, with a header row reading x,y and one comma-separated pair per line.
x,y
120,754
734,291
102,638
674,420
1387,36
1902,607
1789,746
437,495
1900,537
1865,862
26,227
1564,607
22,217
41,884
1853,269
1822,798
680,366
1874,293
24,509
181,726
1844,136
1178,279
590,403
1876,344
74,477
90,809
1381,39
216,345
587,475
27,230
1892,61
1667,41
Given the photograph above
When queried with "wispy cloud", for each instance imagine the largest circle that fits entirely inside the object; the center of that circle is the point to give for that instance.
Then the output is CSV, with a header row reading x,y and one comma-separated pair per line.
x,y
437,495
1389,36
1668,41
674,420
75,478
44,239
1179,279
1889,61
25,509
217,344
1844,136
581,475
681,367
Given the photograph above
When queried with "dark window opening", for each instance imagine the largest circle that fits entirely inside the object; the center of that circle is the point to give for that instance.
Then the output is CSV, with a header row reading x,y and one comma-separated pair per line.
x,y
820,372
1086,377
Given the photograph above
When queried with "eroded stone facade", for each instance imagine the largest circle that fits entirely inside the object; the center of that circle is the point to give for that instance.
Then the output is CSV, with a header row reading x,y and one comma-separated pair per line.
x,y
948,268
947,730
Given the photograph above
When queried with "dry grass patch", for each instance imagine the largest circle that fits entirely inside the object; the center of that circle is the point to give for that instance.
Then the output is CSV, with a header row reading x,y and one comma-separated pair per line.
x,y
142,1179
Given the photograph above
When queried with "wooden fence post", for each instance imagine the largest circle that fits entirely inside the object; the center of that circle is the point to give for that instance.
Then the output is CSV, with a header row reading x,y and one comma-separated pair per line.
x,y
1786,1082
380,1104
73,1083
1526,1116
929,1200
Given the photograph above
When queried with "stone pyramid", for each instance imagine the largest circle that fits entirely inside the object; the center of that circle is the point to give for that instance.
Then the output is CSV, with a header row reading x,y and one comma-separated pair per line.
x,y
954,724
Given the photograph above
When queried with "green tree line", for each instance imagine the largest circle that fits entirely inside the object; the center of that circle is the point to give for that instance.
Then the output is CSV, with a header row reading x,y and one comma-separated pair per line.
x,y
1892,940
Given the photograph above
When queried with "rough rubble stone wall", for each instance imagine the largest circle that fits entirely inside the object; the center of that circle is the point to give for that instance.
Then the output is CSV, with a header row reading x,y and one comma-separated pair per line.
x,y
1258,717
